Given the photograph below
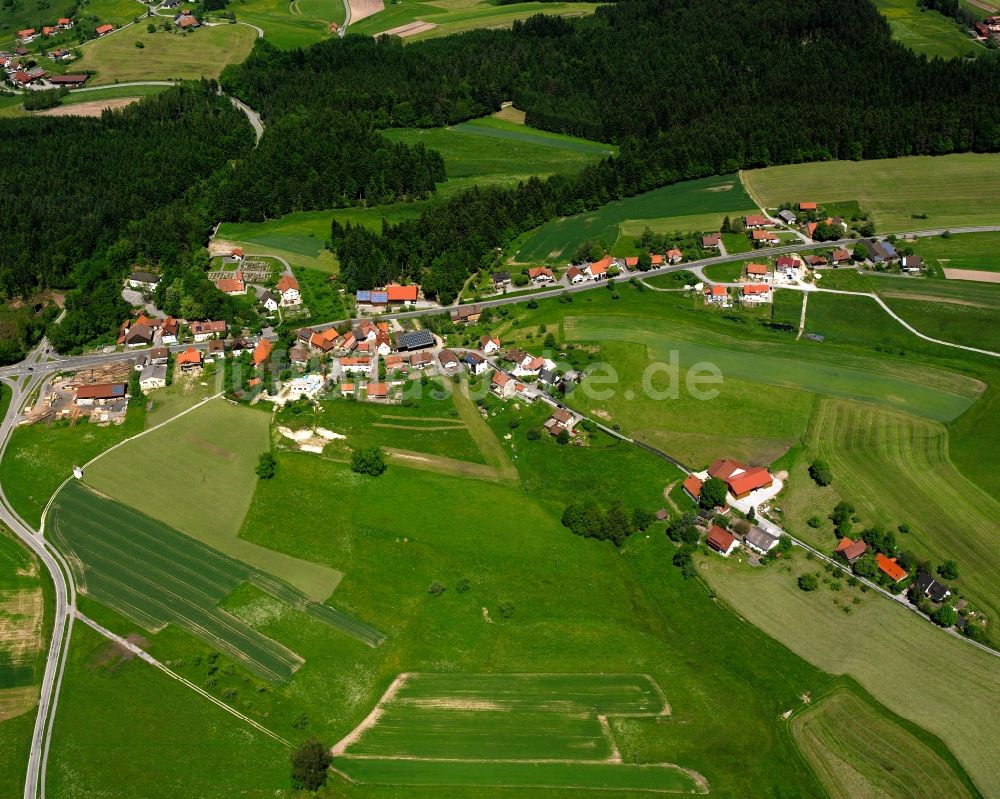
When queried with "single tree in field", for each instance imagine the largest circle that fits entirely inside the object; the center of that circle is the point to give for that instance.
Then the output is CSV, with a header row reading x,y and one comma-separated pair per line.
x,y
310,762
713,493
808,582
948,570
266,466
370,460
821,472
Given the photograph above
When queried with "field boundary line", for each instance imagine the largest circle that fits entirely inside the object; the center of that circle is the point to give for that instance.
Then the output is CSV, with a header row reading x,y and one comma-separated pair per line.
x,y
369,721
145,656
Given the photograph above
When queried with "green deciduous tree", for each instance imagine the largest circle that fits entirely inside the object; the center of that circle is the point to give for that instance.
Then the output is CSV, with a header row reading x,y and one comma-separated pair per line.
x,y
713,493
370,460
821,472
310,763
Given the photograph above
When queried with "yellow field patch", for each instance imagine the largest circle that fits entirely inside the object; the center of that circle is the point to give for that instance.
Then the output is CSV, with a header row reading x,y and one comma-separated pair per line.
x,y
15,701
21,624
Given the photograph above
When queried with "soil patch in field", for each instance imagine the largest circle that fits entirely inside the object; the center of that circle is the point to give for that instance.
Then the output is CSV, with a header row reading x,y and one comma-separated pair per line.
x,y
365,8
410,29
972,274
93,108
20,625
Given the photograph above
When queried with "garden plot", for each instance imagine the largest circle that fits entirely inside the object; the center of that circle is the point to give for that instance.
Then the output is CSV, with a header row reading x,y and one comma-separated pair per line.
x,y
540,730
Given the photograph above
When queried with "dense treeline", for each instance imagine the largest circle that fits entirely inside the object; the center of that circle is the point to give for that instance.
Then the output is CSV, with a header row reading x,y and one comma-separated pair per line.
x,y
325,160
74,187
685,91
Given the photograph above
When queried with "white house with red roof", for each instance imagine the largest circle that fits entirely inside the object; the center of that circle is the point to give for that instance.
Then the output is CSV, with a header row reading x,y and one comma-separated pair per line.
x,y
541,274
503,385
576,275
722,541
758,221
288,288
598,270
717,295
755,294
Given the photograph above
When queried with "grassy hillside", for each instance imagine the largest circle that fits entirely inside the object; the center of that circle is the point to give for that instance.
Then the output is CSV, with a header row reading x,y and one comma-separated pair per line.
x,y
689,206
948,189
32,14
291,24
166,54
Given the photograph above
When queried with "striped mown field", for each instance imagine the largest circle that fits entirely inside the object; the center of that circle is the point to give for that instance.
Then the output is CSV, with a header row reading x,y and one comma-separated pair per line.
x,y
156,576
857,751
516,730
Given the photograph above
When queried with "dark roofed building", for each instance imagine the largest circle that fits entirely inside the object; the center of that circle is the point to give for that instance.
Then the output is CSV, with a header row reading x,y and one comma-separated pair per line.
x,y
415,340
931,588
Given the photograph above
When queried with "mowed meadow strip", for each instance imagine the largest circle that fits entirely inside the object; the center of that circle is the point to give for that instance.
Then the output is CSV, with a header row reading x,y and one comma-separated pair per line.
x,y
508,730
156,576
857,751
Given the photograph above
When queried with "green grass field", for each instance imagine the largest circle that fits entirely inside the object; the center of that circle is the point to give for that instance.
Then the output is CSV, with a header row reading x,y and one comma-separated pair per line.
x,y
156,576
12,106
857,751
690,206
113,735
209,456
320,295
975,251
944,685
166,54
117,12
949,516
948,189
494,151
40,457
458,16
927,32
291,24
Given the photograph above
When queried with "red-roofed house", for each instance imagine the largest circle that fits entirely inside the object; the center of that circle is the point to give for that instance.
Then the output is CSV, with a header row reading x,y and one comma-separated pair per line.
x,y
840,256
722,541
27,35
398,293
288,288
807,206
503,385
631,261
850,550
378,391
741,479
758,271
324,341
655,259
756,293
261,352
711,240
717,295
104,30
692,487
674,256
758,221
541,274
48,30
575,275
890,567
189,359
766,236
232,285
64,23
599,269
489,344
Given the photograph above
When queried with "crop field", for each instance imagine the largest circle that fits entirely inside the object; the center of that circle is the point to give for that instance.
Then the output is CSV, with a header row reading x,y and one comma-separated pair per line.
x,y
508,730
22,642
689,206
291,24
118,12
906,663
166,54
210,455
857,751
948,189
494,151
949,516
457,16
927,32
156,576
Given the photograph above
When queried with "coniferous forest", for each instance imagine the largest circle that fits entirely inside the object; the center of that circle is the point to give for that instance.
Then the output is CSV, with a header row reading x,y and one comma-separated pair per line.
x,y
686,89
